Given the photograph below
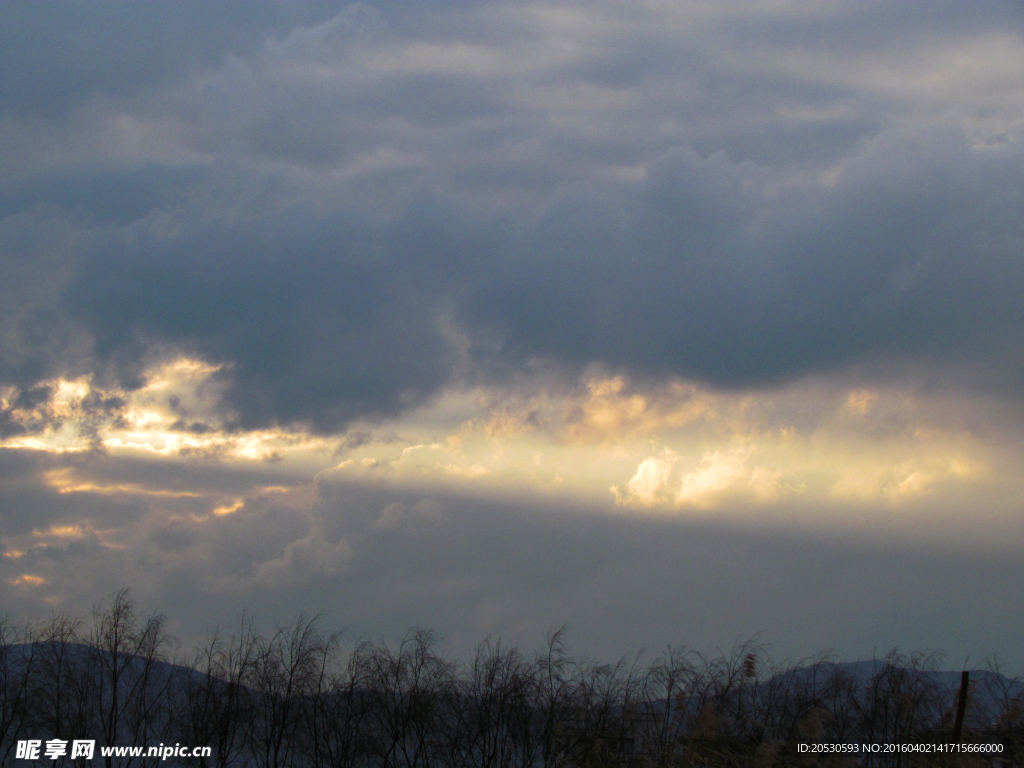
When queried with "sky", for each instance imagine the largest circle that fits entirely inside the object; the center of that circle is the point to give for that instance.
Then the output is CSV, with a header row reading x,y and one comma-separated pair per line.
x,y
669,322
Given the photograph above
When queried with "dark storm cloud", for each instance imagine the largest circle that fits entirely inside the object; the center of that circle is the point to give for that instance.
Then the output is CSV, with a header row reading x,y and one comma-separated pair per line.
x,y
37,339
321,321
57,58
915,255
351,215
108,196
702,269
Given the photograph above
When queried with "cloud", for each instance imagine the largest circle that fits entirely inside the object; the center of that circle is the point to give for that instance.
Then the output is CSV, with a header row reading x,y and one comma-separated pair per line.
x,y
672,446
514,569
396,516
647,487
112,51
304,558
364,307
689,285
721,477
707,269
349,212
906,481
721,474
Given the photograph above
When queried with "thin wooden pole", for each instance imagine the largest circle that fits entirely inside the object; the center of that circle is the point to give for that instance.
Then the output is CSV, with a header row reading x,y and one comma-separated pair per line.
x,y
961,706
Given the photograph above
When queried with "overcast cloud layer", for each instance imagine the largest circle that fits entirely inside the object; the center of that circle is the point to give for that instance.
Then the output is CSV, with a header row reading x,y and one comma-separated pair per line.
x,y
745,251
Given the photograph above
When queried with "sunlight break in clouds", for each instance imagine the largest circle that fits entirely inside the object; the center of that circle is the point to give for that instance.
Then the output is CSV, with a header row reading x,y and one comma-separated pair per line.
x,y
176,414
677,446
